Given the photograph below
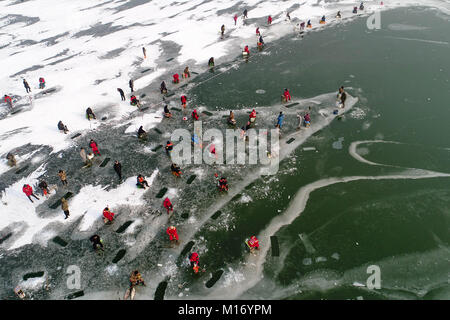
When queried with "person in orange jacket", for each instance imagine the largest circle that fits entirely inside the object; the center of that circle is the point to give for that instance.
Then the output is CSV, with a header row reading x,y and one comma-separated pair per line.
x,y
168,205
108,216
172,232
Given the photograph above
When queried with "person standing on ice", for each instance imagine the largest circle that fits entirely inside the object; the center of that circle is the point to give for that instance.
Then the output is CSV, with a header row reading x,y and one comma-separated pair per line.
x,y
252,116
41,83
342,96
176,78
122,94
169,147
246,50
257,32
235,19
307,120
144,51
168,205
195,115
63,177
28,190
222,30
8,101
26,85
94,147
280,120
131,84
245,14
288,15
183,101
300,120
186,73
173,235
163,88
65,207
287,95
118,169
269,20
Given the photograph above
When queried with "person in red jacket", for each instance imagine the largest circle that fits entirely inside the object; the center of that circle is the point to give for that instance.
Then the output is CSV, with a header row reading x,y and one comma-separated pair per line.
x,y
183,101
108,216
269,20
235,19
172,232
28,190
247,50
94,147
287,95
253,243
41,83
257,32
168,205
195,114
8,101
176,78
252,116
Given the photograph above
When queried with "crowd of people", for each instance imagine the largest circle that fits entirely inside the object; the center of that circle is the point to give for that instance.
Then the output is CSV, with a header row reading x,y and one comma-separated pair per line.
x,y
304,120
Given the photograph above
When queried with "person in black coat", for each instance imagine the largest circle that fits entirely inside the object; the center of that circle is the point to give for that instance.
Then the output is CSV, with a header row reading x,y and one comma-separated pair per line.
x,y
122,94
118,169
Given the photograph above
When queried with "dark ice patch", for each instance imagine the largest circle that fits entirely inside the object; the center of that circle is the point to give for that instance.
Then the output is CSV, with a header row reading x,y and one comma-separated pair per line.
x,y
215,277
187,248
120,254
30,275
60,241
191,178
76,135
157,148
52,40
161,290
176,109
75,295
207,113
112,54
216,215
22,169
146,70
185,215
275,246
33,68
124,227
58,203
105,162
170,94
170,59
290,140
236,197
3,239
99,30
161,192
157,130
292,104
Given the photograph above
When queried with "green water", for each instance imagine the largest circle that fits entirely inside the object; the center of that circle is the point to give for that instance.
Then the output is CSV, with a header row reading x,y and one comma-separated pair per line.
x,y
400,225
